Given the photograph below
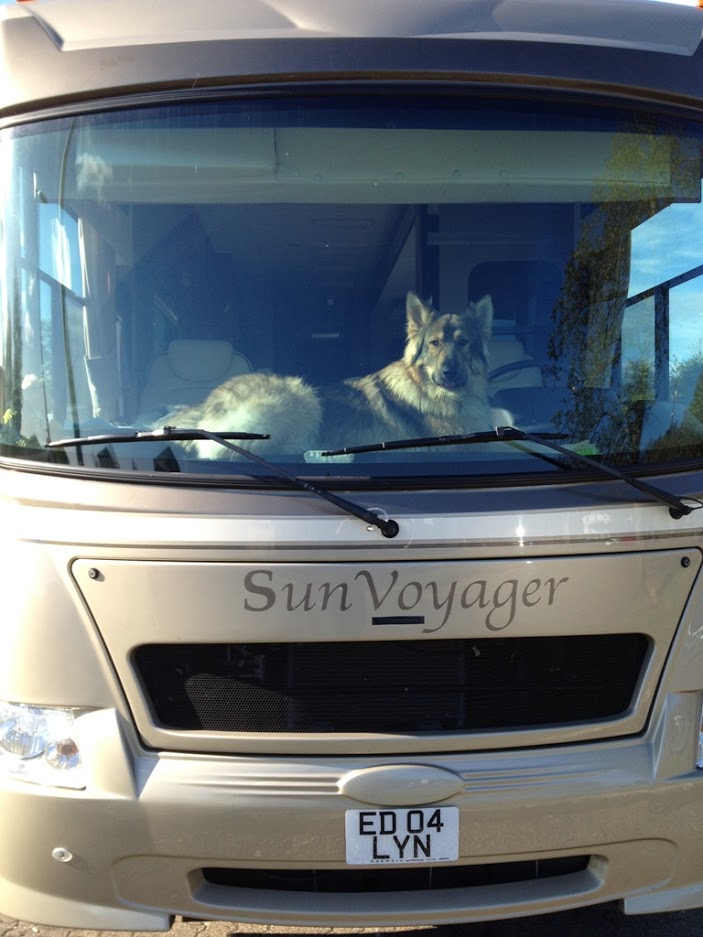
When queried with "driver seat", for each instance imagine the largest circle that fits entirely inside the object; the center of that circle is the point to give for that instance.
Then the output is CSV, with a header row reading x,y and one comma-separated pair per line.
x,y
524,293
504,352
187,373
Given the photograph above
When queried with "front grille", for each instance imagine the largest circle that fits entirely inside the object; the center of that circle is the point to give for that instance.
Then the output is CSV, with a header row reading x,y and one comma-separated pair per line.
x,y
391,686
336,881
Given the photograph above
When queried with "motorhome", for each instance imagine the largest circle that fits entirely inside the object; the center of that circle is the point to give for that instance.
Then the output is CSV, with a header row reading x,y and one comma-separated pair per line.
x,y
351,460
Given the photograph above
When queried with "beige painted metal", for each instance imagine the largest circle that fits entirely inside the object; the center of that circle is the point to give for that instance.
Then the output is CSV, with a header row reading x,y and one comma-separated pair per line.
x,y
118,47
159,809
220,602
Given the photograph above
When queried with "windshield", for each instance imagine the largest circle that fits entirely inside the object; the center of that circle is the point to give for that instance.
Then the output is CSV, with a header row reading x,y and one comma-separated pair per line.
x,y
340,271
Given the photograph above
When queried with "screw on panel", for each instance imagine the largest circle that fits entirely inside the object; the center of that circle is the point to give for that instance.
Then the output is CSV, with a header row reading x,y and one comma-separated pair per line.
x,y
93,573
61,854
685,561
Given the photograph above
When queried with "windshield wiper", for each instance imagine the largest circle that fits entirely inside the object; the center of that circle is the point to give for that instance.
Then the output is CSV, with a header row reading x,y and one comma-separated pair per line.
x,y
677,507
389,528
167,433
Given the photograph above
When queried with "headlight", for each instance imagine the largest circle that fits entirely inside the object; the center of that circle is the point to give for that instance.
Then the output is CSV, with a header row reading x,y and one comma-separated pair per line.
x,y
40,744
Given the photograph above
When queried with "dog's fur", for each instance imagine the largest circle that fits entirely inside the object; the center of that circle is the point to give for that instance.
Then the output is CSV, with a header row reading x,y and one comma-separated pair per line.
x,y
438,387
286,408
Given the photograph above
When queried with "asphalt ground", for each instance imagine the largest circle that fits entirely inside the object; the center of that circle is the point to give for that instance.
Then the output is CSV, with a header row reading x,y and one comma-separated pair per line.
x,y
598,921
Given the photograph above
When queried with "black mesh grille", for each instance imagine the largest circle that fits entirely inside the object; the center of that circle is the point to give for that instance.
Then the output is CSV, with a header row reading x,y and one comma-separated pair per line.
x,y
391,686
398,879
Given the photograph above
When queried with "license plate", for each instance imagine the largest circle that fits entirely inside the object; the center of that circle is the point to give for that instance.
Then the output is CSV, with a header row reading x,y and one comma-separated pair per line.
x,y
402,835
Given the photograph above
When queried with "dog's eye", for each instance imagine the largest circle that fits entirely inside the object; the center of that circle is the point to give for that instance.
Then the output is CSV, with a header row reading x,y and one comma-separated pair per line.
x,y
462,342
435,342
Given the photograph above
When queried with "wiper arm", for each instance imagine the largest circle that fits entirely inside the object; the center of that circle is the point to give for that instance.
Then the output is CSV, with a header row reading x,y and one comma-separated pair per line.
x,y
389,528
677,507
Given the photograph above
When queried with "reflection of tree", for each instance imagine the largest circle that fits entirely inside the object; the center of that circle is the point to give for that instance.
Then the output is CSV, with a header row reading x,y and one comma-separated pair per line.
x,y
584,349
686,385
638,380
696,404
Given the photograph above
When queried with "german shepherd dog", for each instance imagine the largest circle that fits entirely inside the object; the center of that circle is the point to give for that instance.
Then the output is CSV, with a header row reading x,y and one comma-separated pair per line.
x,y
438,387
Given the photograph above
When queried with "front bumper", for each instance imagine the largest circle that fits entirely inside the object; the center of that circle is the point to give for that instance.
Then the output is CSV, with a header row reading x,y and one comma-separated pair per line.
x,y
148,824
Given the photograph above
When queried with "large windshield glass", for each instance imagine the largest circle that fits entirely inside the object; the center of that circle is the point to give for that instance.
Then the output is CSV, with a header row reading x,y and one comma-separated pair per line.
x,y
343,271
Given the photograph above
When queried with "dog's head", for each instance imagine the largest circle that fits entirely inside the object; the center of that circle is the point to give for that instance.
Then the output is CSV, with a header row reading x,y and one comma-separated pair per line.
x,y
449,350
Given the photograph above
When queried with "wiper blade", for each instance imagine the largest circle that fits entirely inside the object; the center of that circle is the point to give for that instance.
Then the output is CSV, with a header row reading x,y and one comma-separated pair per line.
x,y
164,433
500,433
389,528
677,506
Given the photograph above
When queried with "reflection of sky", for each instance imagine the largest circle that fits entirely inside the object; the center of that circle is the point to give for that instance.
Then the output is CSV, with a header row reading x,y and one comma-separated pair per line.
x,y
664,246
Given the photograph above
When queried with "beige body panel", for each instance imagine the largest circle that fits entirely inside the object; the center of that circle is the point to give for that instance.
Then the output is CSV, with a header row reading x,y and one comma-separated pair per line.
x,y
642,593
162,806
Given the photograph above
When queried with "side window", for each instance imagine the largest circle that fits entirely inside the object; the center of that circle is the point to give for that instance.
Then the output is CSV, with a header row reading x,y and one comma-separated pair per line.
x,y
662,356
685,318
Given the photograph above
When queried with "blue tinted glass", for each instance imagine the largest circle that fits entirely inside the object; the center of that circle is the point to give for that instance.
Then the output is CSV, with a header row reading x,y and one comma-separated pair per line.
x,y
344,271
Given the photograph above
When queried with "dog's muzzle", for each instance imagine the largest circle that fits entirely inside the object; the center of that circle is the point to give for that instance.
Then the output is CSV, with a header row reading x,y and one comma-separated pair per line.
x,y
450,377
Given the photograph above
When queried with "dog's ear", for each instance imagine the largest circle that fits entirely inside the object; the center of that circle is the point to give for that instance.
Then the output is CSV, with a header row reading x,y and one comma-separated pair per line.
x,y
419,315
481,313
